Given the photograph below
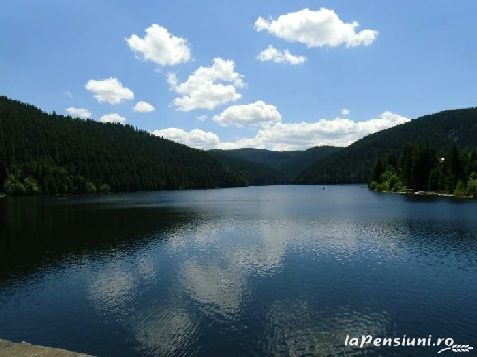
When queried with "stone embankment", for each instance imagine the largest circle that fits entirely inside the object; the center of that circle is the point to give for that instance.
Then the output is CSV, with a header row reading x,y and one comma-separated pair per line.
x,y
12,349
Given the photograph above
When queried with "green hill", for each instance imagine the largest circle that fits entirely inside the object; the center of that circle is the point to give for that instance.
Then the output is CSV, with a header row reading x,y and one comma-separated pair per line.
x,y
265,167
269,158
303,159
43,153
352,164
256,174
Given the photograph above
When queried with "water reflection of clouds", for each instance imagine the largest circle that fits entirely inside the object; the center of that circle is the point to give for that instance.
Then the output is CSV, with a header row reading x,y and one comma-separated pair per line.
x,y
265,254
147,268
111,288
164,330
201,234
216,259
220,283
289,282
347,241
114,285
296,328
220,287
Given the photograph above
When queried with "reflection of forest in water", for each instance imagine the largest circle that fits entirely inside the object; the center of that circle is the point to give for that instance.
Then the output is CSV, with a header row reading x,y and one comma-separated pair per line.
x,y
257,271
34,229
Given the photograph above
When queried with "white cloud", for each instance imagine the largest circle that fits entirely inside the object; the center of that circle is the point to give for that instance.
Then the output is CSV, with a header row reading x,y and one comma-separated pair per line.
x,y
277,56
202,117
207,87
79,112
316,29
161,47
69,94
195,138
300,136
248,114
113,118
143,107
241,143
290,136
109,90
345,112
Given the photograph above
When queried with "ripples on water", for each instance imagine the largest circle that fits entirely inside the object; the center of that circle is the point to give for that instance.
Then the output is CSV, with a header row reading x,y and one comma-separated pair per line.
x,y
279,271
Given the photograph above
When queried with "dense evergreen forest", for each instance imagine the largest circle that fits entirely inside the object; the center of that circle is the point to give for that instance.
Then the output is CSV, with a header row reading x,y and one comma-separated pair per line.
x,y
262,156
265,167
420,168
256,174
307,158
49,154
352,164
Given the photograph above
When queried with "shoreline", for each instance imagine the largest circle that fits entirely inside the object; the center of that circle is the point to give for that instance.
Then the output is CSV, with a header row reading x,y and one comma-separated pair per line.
x,y
429,194
8,348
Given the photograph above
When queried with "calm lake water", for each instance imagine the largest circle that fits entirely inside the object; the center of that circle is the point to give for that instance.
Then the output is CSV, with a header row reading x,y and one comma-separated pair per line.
x,y
259,271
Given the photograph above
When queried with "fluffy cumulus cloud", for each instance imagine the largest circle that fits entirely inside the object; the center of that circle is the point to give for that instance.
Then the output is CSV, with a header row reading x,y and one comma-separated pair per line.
x,y
161,47
241,144
195,138
79,112
290,136
202,117
299,136
207,87
113,118
248,114
345,112
109,90
316,29
277,56
143,107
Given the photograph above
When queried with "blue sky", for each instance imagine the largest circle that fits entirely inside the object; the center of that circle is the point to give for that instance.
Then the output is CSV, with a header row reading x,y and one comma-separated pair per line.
x,y
281,75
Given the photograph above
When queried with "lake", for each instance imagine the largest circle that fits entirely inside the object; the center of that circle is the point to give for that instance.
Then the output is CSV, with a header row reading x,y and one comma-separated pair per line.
x,y
257,271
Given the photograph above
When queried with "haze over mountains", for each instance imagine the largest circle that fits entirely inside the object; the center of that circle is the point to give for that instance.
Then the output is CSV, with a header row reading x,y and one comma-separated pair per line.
x,y
43,153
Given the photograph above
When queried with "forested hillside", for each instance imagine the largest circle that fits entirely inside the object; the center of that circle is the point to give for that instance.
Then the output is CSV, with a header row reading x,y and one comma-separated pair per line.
x,y
47,154
261,156
352,164
256,174
419,168
43,153
265,167
304,159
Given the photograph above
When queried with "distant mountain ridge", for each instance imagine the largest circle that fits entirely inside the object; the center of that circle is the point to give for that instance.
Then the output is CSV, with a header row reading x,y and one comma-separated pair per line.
x,y
261,156
255,173
43,153
265,167
352,164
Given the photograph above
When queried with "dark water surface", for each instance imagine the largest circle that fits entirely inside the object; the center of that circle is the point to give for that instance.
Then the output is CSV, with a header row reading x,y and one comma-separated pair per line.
x,y
259,271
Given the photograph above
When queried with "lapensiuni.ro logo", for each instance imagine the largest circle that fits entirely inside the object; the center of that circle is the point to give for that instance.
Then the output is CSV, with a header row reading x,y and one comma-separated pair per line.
x,y
443,344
